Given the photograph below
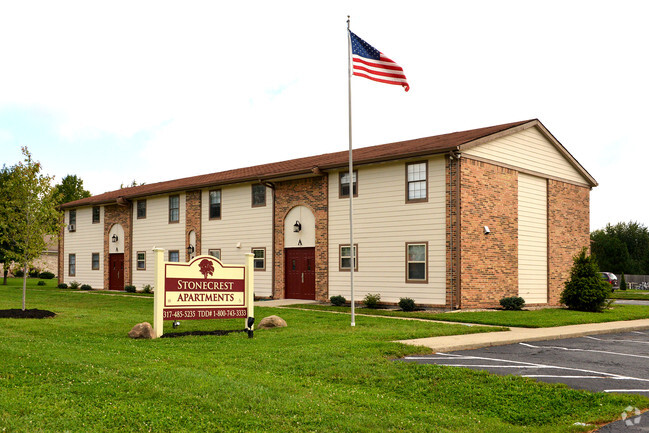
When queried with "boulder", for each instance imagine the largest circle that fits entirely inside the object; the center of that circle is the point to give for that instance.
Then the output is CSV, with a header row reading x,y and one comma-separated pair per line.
x,y
141,330
272,322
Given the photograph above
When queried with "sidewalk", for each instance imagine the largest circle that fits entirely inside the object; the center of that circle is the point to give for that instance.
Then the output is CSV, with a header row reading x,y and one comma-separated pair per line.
x,y
518,335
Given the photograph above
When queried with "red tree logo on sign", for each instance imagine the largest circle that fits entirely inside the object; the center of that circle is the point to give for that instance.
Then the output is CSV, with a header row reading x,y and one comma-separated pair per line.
x,y
206,267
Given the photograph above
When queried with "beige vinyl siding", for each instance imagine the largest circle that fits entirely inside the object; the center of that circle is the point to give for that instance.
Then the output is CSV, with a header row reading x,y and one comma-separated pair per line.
x,y
242,223
532,239
87,239
529,150
156,231
383,224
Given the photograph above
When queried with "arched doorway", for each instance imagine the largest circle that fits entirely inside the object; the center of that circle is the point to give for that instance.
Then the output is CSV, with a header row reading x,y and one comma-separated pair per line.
x,y
299,253
116,258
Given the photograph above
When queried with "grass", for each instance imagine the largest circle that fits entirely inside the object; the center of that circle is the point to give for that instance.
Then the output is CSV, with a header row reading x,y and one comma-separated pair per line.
x,y
79,372
543,318
640,295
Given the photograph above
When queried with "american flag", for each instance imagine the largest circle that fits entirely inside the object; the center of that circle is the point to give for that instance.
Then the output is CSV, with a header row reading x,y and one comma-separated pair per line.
x,y
368,62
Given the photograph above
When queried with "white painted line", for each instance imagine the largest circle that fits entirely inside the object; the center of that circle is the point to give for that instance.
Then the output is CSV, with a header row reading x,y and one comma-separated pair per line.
x,y
583,350
488,366
639,332
617,341
568,377
611,375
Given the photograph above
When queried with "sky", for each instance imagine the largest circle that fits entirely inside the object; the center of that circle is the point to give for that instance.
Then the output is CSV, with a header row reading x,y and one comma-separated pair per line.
x,y
157,90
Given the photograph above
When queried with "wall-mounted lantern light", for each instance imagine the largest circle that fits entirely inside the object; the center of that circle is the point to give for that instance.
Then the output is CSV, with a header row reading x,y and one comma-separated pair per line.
x,y
297,227
115,238
190,249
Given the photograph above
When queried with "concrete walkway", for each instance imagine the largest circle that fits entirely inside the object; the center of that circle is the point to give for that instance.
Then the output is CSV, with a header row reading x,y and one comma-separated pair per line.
x,y
518,335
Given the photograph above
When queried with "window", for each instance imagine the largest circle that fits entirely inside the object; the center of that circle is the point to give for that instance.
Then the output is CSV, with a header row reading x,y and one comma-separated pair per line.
x,y
215,253
73,220
343,187
95,261
416,174
258,195
417,262
346,257
215,204
141,260
95,214
141,209
174,208
72,265
259,260
174,256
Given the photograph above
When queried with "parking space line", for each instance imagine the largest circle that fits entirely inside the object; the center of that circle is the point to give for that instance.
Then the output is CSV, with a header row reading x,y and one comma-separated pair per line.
x,y
583,350
569,377
616,341
626,390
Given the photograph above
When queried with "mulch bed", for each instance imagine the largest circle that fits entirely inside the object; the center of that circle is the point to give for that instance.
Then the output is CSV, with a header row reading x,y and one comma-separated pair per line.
x,y
34,313
182,334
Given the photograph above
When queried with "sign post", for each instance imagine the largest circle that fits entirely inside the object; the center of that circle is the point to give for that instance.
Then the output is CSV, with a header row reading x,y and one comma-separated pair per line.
x,y
204,288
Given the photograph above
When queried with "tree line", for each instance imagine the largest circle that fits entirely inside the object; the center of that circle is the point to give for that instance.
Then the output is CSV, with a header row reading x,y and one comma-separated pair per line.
x,y
622,248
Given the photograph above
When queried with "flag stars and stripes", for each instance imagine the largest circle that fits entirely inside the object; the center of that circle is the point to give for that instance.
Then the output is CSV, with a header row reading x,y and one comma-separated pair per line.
x,y
370,63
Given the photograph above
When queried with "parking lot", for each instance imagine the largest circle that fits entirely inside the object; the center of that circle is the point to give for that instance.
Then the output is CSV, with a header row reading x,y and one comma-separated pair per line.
x,y
607,363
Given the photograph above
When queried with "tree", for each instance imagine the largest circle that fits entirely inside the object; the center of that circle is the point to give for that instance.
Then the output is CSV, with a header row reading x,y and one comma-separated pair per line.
x,y
585,290
6,247
28,213
70,189
622,248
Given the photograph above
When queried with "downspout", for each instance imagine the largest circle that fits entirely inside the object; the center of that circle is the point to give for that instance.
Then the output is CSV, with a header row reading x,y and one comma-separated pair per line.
x,y
271,185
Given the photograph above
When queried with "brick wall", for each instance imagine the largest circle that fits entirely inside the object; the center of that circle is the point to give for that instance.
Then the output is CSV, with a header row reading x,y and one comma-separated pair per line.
x,y
452,230
119,214
312,193
489,263
568,232
193,219
61,263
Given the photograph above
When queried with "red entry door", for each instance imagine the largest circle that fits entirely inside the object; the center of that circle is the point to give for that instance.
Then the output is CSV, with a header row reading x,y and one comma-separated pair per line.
x,y
300,273
116,272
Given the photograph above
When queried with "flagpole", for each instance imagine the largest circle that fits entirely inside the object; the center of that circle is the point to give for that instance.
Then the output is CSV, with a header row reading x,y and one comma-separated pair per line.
x,y
351,177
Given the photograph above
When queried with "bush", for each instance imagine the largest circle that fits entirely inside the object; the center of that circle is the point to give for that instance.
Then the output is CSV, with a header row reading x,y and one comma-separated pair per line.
x,y
33,273
585,290
372,300
147,288
19,273
86,287
130,289
338,300
515,303
74,285
623,283
46,275
62,286
40,283
407,304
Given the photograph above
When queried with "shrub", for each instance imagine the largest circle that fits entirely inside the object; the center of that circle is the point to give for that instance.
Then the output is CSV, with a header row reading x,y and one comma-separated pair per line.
x,y
74,285
623,283
40,283
338,300
585,290
33,273
62,286
129,288
512,303
19,273
407,304
372,300
86,287
147,288
46,275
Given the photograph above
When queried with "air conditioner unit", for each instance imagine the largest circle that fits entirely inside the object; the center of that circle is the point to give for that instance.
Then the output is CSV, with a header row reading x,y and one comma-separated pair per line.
x,y
72,227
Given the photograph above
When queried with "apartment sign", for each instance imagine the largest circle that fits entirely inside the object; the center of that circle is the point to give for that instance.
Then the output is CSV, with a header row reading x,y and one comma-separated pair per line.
x,y
203,288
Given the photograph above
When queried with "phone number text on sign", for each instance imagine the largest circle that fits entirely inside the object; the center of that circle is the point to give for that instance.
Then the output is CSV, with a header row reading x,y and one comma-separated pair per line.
x,y
203,313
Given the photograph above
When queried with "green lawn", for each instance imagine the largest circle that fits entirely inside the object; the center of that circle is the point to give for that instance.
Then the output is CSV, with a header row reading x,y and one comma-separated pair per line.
x,y
544,318
641,295
79,372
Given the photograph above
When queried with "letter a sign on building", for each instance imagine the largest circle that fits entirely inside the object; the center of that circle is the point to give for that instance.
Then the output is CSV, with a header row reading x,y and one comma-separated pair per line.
x,y
204,288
